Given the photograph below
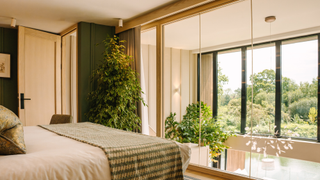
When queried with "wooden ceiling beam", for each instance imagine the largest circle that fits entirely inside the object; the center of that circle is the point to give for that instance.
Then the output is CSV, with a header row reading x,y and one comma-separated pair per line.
x,y
188,13
163,12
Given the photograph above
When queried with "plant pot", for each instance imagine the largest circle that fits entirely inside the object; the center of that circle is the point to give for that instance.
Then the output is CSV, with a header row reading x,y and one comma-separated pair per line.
x,y
188,144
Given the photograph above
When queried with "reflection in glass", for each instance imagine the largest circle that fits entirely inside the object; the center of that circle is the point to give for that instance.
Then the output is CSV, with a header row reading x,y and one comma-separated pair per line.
x,y
274,167
180,107
148,81
220,77
189,77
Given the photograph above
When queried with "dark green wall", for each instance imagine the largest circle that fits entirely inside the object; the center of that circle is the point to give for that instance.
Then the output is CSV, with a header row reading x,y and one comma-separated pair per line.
x,y
9,86
89,56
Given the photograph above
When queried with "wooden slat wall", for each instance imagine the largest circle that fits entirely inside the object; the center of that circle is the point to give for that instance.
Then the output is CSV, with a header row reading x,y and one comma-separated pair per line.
x,y
206,79
89,57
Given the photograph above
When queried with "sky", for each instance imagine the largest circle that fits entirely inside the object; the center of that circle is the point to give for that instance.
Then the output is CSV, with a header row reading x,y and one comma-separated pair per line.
x,y
299,63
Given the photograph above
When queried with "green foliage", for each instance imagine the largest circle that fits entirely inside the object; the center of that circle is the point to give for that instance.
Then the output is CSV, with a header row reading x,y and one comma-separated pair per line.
x,y
222,79
263,81
309,90
312,114
113,102
235,102
288,85
171,127
292,96
296,119
230,116
302,107
263,98
189,128
261,116
298,106
300,130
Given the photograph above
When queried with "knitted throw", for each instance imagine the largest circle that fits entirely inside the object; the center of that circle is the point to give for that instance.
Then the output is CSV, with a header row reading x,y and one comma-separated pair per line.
x,y
131,155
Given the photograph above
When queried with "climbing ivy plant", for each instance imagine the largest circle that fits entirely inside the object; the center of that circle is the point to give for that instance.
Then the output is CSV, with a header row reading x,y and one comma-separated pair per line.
x,y
113,102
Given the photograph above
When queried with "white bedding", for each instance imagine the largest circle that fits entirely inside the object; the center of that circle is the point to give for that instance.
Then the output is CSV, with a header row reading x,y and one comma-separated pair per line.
x,y
54,157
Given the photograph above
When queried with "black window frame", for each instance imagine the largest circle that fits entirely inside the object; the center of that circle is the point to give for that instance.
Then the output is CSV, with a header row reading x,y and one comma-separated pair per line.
x,y
278,88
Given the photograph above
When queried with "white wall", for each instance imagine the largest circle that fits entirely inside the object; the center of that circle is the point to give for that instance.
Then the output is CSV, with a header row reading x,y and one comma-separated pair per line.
x,y
179,81
69,76
167,81
149,67
176,82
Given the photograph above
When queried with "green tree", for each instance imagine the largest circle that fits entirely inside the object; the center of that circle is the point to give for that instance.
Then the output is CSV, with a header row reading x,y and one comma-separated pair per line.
x,y
262,81
263,97
288,85
222,79
113,102
292,96
309,90
237,93
302,107
226,97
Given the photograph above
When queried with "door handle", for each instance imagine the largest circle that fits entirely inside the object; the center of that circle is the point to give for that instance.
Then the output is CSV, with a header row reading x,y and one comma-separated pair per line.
x,y
22,99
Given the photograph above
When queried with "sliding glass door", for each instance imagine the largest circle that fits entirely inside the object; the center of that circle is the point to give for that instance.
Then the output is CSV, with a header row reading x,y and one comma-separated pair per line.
x,y
249,68
180,104
148,82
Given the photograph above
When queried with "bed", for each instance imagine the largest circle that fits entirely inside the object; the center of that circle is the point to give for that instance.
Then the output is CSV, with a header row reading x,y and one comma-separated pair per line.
x,y
55,157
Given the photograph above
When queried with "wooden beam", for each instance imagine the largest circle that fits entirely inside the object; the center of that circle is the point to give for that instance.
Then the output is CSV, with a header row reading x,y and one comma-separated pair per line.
x,y
189,13
68,30
159,81
163,12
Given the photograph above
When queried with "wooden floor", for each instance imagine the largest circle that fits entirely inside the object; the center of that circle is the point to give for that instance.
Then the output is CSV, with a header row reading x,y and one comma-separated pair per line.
x,y
201,175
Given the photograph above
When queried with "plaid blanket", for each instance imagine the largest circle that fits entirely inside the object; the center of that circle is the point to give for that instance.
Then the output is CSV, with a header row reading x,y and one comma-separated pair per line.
x,y
131,155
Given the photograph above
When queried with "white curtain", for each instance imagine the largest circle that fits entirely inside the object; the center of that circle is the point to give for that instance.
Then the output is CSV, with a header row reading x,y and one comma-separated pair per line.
x,y
144,109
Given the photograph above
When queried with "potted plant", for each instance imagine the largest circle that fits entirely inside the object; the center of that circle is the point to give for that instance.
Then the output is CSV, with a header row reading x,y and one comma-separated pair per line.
x,y
113,102
188,129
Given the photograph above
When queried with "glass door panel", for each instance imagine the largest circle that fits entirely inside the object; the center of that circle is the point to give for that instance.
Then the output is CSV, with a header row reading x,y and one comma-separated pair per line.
x,y
180,104
148,81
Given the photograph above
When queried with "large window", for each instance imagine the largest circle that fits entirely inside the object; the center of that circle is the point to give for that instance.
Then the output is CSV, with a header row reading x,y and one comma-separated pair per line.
x,y
263,93
300,87
296,98
229,89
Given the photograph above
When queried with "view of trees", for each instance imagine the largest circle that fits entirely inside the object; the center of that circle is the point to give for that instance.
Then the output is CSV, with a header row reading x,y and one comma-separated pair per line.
x,y
299,105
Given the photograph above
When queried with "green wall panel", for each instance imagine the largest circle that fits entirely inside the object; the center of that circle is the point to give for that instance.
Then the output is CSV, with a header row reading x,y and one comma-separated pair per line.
x,y
90,55
9,86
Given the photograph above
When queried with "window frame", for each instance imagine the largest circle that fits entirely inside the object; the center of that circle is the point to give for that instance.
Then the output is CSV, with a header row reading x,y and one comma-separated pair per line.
x,y
278,87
